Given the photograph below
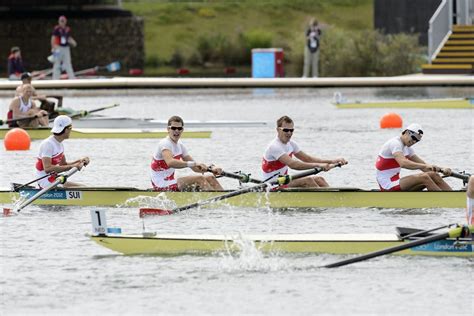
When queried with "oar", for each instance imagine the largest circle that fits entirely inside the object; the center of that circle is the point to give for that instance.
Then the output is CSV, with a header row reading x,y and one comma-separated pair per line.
x,y
242,177
279,181
17,187
2,122
59,180
112,67
452,233
459,175
85,113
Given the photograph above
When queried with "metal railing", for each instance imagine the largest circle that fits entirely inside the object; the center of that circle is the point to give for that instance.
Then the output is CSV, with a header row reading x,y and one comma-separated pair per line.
x,y
465,12
440,26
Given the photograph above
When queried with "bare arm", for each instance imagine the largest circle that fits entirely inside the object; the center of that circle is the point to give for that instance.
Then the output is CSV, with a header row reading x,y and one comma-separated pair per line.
x,y
15,107
63,165
415,163
308,158
71,41
301,165
53,43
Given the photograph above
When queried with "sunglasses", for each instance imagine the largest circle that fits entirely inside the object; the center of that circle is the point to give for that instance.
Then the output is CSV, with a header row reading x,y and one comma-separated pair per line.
x,y
287,130
415,136
176,128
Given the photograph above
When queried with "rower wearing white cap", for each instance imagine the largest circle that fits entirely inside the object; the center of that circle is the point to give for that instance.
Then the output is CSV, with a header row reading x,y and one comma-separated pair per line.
x,y
398,153
51,158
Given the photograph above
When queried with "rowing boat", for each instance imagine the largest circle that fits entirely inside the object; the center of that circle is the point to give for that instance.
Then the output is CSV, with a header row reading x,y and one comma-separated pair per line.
x,y
170,244
286,198
467,103
94,133
148,123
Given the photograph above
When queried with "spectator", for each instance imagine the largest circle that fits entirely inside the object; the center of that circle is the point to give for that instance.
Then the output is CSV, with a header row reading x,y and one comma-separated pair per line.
x,y
61,39
311,51
15,64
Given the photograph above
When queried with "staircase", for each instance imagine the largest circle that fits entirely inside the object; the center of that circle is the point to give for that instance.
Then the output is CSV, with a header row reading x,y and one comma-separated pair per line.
x,y
457,54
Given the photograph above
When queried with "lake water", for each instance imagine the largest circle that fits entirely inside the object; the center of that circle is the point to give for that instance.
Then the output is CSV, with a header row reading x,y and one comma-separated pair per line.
x,y
49,267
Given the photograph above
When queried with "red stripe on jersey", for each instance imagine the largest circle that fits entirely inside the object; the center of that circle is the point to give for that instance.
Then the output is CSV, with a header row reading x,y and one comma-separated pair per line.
x,y
54,161
386,163
270,166
160,165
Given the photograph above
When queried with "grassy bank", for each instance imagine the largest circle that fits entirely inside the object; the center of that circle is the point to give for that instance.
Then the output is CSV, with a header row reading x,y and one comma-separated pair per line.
x,y
187,34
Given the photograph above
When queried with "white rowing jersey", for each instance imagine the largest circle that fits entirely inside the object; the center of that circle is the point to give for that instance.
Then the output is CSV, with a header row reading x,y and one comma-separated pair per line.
x,y
53,149
25,107
162,176
271,166
388,169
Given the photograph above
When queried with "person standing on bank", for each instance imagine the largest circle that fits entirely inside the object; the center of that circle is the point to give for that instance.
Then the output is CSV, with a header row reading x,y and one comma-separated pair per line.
x,y
61,40
170,155
51,157
15,64
311,51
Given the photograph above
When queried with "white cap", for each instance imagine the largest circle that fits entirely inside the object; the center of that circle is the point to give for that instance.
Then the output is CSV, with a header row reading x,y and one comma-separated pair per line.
x,y
416,128
60,123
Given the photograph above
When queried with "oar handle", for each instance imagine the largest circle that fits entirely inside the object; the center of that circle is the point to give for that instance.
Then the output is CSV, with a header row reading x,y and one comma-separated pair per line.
x,y
2,122
463,176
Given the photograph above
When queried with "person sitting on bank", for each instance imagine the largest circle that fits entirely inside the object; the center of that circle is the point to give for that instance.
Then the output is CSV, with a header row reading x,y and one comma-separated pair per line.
x,y
278,157
24,107
46,105
398,153
15,64
170,155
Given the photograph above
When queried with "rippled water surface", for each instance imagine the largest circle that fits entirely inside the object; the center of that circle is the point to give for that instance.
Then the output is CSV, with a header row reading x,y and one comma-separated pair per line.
x,y
48,265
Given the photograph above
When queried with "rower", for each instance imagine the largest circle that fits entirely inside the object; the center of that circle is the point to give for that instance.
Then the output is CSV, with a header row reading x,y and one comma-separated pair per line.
x,y
51,157
46,105
398,153
170,155
278,157
470,201
23,106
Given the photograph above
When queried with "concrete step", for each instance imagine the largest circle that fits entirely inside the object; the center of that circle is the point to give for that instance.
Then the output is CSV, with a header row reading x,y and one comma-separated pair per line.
x,y
457,42
469,49
462,36
453,61
463,28
447,69
456,54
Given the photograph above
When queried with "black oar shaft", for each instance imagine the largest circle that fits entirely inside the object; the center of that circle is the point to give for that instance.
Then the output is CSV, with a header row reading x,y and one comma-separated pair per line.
x,y
464,177
244,178
281,180
453,233
35,180
22,119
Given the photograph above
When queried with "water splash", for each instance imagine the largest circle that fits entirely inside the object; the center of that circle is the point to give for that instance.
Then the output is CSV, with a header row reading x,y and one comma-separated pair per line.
x,y
157,201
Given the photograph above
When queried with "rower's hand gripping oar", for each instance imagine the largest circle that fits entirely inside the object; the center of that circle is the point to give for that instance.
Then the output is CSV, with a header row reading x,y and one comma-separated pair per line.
x,y
460,231
85,113
61,179
464,176
279,181
2,122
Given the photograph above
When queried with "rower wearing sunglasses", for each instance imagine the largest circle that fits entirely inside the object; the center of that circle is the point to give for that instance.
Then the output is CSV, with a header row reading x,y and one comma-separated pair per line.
x,y
398,153
170,155
281,153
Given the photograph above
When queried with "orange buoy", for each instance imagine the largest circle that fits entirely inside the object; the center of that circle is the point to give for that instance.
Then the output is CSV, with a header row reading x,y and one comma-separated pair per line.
x,y
17,139
391,120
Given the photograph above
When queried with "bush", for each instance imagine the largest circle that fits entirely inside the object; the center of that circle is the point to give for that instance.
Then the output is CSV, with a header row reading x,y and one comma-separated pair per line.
x,y
368,53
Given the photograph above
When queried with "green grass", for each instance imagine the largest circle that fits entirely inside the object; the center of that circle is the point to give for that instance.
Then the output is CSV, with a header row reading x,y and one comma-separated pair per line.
x,y
172,26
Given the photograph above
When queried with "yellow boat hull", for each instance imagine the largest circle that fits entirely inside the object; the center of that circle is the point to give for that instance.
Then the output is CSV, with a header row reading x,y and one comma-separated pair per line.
x,y
335,244
130,197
